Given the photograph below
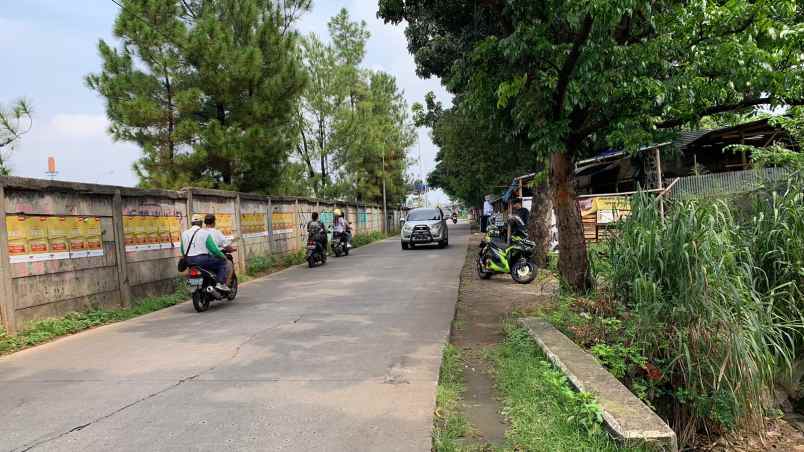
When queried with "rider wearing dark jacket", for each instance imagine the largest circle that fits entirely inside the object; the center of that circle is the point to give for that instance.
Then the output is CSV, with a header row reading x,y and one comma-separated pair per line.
x,y
317,230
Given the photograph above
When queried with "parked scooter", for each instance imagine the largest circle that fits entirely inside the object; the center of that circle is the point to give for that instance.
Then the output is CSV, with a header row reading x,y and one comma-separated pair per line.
x,y
515,258
202,284
316,253
340,246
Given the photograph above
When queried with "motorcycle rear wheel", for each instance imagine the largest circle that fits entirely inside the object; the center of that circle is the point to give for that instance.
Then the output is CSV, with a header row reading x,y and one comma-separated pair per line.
x,y
523,271
200,301
481,271
233,292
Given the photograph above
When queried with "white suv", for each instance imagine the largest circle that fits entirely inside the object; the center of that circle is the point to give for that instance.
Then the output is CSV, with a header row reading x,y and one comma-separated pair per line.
x,y
423,226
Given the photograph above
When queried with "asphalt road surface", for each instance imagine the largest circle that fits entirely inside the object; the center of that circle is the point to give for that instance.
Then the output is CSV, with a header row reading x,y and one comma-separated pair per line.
x,y
343,357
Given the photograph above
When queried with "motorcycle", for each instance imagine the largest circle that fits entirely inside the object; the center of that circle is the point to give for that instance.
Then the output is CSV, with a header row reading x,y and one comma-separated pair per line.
x,y
340,246
454,218
202,284
316,253
515,258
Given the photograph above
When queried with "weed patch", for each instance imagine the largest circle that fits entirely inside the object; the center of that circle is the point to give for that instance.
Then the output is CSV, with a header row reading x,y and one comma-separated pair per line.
x,y
544,411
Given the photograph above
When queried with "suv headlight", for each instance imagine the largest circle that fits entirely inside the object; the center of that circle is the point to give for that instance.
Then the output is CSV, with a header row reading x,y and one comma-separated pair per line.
x,y
407,228
436,228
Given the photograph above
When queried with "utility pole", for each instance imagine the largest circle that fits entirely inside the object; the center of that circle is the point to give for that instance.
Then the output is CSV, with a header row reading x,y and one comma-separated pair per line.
x,y
384,205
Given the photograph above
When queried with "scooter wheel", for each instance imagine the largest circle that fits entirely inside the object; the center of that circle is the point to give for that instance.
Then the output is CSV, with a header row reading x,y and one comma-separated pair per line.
x,y
523,271
311,262
200,301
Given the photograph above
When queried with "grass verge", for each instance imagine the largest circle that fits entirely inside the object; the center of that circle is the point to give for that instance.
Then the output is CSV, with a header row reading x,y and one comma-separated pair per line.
x,y
543,410
46,330
449,425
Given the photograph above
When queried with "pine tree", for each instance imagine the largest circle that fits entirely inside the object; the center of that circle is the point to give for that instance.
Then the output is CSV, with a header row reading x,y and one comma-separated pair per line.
x,y
207,88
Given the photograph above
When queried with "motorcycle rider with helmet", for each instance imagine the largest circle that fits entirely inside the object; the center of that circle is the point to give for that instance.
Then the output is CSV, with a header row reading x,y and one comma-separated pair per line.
x,y
201,249
317,230
341,226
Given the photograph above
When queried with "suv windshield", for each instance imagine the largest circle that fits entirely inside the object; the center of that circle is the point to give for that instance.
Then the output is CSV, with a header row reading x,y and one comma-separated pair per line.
x,y
424,215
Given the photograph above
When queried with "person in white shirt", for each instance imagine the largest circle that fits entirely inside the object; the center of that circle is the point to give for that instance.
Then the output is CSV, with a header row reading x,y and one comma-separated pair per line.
x,y
341,226
221,241
202,251
488,211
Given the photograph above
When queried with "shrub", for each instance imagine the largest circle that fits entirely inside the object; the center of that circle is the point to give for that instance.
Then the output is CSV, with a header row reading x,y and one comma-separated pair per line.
x,y
690,284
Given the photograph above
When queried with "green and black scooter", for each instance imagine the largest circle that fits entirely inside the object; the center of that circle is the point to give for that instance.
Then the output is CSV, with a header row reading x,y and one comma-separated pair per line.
x,y
515,258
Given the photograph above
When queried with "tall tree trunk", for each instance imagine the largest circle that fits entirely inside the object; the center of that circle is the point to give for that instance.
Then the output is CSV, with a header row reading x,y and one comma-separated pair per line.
x,y
539,223
573,264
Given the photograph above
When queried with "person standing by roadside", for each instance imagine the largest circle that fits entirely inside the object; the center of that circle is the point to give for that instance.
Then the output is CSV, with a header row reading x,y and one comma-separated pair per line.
x,y
488,211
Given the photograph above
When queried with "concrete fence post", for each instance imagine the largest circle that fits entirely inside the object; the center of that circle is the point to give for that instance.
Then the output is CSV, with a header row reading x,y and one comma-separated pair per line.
x,y
7,311
241,242
270,228
189,208
120,250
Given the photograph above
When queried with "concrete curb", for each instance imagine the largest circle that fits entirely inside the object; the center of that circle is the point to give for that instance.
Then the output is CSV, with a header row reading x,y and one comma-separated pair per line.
x,y
627,417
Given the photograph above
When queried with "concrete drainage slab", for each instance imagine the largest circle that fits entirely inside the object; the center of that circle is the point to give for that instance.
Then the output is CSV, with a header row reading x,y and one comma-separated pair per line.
x,y
627,417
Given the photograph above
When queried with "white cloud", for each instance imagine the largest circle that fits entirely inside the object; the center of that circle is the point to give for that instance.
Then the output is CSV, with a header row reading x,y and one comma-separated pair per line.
x,y
78,126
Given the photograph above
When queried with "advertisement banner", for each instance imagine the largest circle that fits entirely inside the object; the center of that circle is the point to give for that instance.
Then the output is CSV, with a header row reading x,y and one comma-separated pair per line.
x,y
76,239
57,231
17,228
253,225
93,236
37,239
283,223
41,238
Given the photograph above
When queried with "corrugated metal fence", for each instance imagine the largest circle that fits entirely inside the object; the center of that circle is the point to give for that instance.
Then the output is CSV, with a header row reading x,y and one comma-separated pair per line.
x,y
725,183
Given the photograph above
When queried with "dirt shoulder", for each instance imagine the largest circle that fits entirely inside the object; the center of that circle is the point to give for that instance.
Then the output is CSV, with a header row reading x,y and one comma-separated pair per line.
x,y
483,306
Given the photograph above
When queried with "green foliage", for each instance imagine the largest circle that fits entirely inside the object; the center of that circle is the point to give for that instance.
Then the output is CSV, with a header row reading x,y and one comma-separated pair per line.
x,y
352,122
42,331
449,425
364,239
543,410
575,76
207,88
15,121
690,283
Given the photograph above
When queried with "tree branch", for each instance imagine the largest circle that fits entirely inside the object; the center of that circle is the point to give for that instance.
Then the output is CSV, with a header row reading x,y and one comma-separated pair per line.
x,y
724,108
569,67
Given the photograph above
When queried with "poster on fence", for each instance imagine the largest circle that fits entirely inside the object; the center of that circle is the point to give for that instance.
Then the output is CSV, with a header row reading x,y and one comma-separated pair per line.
x,y
42,238
283,223
147,233
253,225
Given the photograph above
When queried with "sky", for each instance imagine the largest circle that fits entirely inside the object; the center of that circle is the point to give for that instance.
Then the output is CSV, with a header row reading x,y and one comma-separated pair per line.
x,y
49,46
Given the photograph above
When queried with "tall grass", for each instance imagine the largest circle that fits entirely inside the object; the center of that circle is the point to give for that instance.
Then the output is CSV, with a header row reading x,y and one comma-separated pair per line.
x,y
690,283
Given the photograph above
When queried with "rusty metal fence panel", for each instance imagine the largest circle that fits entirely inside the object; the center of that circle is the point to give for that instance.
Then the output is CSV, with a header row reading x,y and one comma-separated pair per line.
x,y
725,183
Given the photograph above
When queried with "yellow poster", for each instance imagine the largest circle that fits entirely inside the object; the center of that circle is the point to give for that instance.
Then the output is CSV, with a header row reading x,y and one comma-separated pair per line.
x,y
224,224
57,231
17,229
37,238
129,232
75,237
93,236
282,222
164,232
152,232
175,231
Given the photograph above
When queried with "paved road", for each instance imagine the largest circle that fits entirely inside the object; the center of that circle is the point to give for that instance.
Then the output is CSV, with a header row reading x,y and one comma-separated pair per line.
x,y
339,358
